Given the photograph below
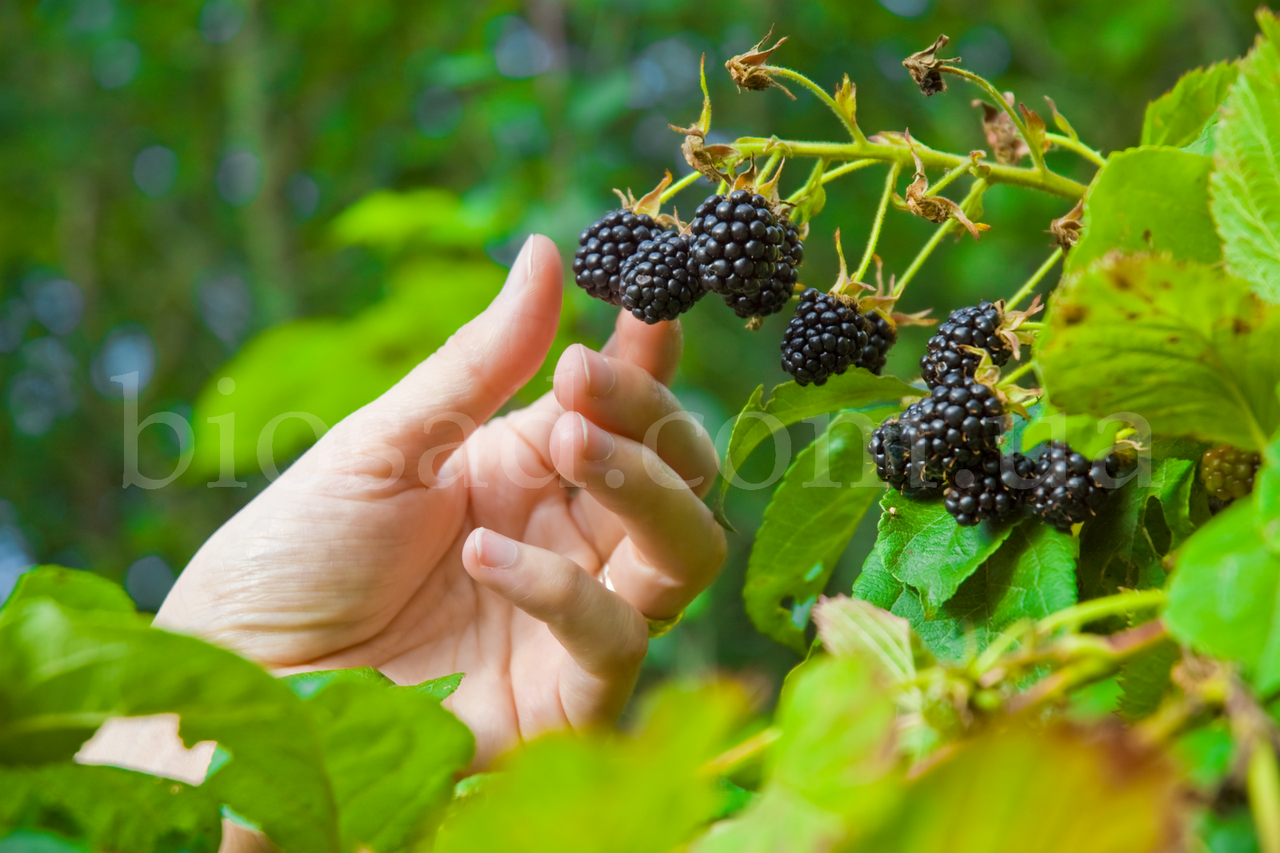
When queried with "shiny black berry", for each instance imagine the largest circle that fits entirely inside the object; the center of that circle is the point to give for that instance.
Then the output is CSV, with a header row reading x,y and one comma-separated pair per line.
x,y
603,247
890,455
953,428
657,282
821,338
993,489
975,326
774,294
881,334
737,243
1070,488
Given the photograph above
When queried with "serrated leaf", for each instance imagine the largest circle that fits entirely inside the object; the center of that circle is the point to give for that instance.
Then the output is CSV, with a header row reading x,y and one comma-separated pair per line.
x,y
1030,576
1144,680
1184,346
1246,185
849,627
392,753
65,672
71,588
1086,434
920,544
875,584
1149,199
110,809
791,403
1178,117
808,522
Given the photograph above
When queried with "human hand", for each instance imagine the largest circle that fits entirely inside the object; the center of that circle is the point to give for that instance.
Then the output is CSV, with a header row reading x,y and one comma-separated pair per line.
x,y
412,540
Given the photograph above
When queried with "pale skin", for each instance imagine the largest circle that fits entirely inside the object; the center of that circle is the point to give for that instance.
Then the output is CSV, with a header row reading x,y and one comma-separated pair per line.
x,y
408,540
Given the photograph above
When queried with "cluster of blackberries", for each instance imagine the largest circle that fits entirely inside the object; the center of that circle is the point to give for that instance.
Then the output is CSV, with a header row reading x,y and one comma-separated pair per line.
x,y
736,246
1227,473
948,442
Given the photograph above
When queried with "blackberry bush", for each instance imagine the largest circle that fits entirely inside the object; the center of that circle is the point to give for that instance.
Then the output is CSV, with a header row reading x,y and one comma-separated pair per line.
x,y
604,246
658,281
822,338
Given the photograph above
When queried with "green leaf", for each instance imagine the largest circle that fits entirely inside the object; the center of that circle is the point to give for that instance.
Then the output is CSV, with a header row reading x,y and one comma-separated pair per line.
x,y
1144,680
791,403
72,588
307,684
1177,117
1224,598
875,584
1246,185
427,217
807,525
110,809
566,792
1054,789
391,753
920,544
1149,199
1030,576
1182,345
66,672
1085,433
849,627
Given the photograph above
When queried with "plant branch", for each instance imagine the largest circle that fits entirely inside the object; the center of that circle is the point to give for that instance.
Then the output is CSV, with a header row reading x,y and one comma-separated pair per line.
x,y
670,191
1264,795
993,173
975,192
867,254
947,179
1100,608
731,759
1037,155
1025,290
1076,146
851,126
1022,370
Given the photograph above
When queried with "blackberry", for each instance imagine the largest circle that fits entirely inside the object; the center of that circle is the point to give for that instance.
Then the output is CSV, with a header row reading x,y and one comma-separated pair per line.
x,y
892,458
775,293
974,326
994,489
656,281
603,246
1227,472
881,334
737,243
1070,488
955,427
821,338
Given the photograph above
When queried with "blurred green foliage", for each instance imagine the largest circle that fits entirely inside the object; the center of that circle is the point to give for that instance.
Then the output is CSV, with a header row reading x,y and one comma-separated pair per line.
x,y
226,179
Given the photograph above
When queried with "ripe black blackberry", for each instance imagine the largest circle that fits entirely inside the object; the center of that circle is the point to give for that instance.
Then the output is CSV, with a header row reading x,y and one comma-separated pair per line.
x,y
994,489
775,293
657,281
821,338
975,326
890,455
1228,472
881,334
737,243
953,428
1071,488
603,246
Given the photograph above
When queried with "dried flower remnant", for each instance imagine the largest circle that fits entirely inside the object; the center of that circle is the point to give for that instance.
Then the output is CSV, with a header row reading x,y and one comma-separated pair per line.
x,y
925,67
748,69
1007,145
1066,229
935,208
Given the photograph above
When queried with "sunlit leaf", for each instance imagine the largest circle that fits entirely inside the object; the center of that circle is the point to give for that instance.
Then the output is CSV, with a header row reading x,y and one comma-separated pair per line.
x,y
71,588
1178,117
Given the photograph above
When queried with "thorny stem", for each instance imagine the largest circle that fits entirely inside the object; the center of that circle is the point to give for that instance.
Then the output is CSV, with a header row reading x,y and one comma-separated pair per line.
x,y
678,185
735,757
1100,608
1077,146
1037,155
1264,795
993,173
868,253
975,192
851,126
1039,274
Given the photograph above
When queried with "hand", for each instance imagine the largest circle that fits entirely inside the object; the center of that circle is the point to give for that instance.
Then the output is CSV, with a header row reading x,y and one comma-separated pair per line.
x,y
410,540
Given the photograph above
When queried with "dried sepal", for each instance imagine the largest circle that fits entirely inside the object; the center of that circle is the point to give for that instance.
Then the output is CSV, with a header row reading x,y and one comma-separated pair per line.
x,y
935,208
650,203
710,161
1011,330
746,179
1007,145
1066,229
769,188
919,318
925,67
749,70
843,282
847,99
1035,129
1061,121
754,324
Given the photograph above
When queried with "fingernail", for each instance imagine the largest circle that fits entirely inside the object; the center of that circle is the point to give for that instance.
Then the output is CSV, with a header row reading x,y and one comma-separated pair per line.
x,y
599,372
597,444
521,269
494,551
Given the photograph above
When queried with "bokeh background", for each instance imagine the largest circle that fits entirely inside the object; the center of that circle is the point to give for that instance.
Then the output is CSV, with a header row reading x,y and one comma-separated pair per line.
x,y
263,208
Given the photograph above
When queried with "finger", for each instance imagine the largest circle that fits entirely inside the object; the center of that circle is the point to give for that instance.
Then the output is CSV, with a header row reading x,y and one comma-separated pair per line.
x,y
623,398
606,637
462,384
676,547
654,348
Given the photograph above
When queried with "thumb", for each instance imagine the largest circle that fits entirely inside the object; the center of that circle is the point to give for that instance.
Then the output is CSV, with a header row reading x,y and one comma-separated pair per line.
x,y
442,400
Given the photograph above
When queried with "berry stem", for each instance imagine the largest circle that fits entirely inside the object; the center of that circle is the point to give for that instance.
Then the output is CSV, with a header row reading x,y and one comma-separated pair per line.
x,y
763,175
670,191
1073,617
1021,371
1037,154
868,253
1077,146
975,193
1264,794
1026,289
850,125
735,757
947,179
993,173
